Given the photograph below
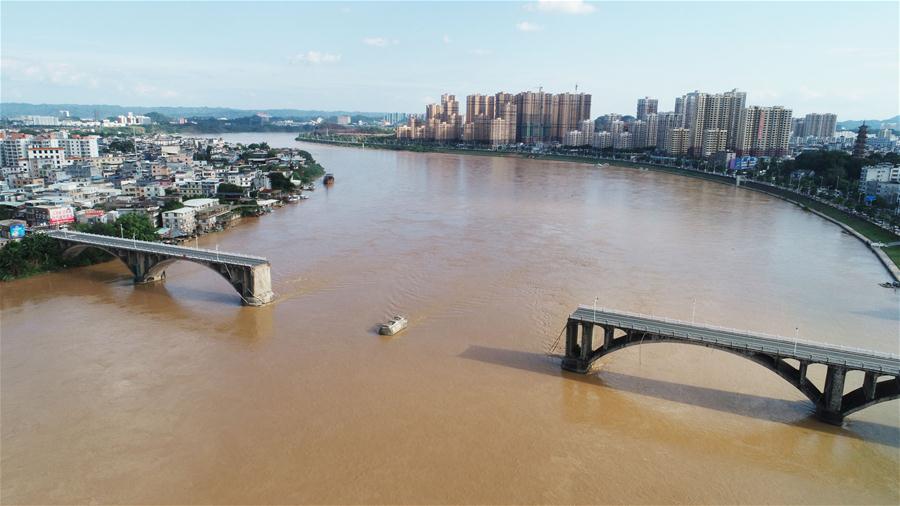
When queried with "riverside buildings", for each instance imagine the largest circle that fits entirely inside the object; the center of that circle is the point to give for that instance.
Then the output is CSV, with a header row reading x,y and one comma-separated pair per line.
x,y
504,118
716,126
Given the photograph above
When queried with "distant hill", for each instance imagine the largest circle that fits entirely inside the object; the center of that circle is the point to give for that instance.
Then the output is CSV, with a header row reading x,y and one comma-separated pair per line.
x,y
89,111
873,123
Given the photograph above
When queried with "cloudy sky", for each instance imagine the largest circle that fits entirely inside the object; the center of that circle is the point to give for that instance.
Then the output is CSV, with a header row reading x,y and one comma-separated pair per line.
x,y
398,56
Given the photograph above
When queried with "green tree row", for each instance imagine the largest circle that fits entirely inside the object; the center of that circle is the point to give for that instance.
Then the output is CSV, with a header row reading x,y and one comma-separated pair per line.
x,y
36,253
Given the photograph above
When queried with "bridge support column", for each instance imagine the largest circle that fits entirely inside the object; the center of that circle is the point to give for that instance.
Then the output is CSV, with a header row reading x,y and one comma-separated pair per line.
x,y
575,360
869,385
571,338
587,340
608,333
803,367
257,289
141,264
829,408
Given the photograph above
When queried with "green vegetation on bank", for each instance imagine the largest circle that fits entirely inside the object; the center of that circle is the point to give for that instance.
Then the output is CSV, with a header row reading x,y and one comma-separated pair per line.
x,y
868,229
893,253
37,253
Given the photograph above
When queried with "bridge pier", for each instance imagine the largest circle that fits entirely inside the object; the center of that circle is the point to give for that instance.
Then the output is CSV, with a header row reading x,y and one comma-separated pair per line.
x,y
578,355
829,408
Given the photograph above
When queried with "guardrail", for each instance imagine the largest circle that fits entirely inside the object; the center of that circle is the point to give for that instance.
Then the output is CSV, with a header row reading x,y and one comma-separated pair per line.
x,y
781,339
146,246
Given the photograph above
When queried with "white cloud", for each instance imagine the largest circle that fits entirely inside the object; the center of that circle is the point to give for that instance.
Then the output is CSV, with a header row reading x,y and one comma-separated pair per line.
x,y
149,90
563,6
378,41
525,26
481,52
446,39
315,57
61,74
811,94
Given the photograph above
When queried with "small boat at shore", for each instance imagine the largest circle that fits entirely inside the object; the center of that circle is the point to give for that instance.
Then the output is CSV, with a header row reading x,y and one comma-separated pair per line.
x,y
602,165
890,284
328,179
392,326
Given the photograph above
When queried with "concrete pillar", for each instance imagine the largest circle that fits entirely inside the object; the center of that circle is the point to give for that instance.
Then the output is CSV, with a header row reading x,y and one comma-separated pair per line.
x,y
869,382
258,288
803,366
587,340
571,337
832,395
608,333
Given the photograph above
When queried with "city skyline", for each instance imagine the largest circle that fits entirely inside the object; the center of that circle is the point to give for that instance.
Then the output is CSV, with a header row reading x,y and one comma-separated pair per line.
x,y
827,57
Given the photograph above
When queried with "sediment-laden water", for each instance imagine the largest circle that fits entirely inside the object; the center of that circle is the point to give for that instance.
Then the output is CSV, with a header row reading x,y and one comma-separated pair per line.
x,y
174,393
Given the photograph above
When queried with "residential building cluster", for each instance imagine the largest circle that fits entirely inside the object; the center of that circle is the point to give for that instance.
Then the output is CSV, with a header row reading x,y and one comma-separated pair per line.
x,y
716,126
53,179
503,118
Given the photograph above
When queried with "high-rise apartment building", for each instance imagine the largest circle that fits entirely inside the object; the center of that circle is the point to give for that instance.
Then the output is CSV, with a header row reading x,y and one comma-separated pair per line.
x,y
678,141
704,111
533,117
567,111
666,121
714,140
646,106
602,140
764,131
816,125
644,132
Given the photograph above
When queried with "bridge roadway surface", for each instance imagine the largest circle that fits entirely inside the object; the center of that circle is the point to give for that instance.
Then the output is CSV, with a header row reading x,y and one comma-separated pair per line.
x,y
203,255
858,359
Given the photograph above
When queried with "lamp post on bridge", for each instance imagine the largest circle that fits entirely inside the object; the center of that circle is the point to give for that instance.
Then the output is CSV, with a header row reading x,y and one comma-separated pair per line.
x,y
796,336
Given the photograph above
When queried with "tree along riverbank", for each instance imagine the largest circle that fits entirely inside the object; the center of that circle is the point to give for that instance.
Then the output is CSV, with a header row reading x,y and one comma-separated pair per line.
x,y
38,253
866,231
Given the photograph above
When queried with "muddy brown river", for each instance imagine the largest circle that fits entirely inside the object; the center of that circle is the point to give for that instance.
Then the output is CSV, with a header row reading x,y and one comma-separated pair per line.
x,y
174,393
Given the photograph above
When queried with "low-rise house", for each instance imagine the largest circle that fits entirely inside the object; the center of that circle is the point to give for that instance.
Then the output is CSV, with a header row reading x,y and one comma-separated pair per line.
x,y
180,222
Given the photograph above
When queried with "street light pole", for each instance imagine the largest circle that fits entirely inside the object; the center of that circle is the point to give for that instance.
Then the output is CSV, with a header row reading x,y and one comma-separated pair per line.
x,y
796,336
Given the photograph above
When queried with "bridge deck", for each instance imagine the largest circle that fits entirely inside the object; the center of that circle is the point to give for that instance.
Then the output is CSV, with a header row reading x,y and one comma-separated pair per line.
x,y
865,360
204,255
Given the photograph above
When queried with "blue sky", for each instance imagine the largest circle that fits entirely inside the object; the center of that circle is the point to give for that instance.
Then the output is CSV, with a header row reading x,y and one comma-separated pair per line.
x,y
397,56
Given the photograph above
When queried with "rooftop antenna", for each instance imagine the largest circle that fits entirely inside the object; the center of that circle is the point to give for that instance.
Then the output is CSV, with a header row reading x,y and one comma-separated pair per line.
x,y
576,87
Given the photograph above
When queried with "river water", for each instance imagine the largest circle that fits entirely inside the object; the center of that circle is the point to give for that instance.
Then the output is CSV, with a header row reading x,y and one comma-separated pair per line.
x,y
175,393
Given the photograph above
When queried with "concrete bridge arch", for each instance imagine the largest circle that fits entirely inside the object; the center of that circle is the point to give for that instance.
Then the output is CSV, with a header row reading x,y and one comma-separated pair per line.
x,y
249,276
881,381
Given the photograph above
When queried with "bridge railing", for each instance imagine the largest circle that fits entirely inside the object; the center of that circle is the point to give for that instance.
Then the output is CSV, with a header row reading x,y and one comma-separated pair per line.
x,y
706,326
147,246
